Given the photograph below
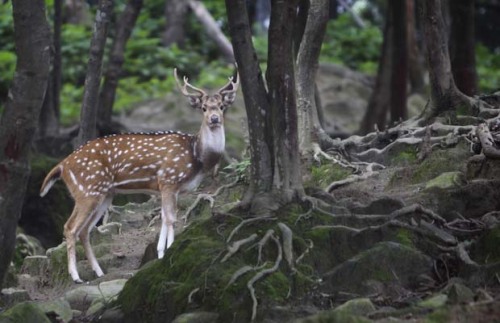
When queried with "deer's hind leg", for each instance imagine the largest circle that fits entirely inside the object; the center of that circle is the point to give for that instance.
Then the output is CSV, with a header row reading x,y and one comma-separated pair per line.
x,y
82,214
85,232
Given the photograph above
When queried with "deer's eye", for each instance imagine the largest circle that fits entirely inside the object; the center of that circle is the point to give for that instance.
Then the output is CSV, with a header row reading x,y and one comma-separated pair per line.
x,y
204,109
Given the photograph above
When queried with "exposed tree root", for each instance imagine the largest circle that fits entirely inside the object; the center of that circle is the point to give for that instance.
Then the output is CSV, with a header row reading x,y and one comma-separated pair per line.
x,y
355,178
232,249
261,274
287,235
244,222
207,197
261,244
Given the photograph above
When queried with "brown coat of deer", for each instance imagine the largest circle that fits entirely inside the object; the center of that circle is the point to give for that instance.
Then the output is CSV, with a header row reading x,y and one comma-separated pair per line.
x,y
164,163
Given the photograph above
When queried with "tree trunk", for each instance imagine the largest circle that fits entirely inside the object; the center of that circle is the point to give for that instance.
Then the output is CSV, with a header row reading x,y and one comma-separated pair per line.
x,y
415,68
256,102
57,60
126,24
48,122
378,105
88,113
175,14
212,29
399,73
287,180
307,67
462,46
445,97
20,117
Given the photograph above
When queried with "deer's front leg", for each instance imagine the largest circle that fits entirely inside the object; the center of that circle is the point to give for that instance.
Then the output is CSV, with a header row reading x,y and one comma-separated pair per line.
x,y
168,217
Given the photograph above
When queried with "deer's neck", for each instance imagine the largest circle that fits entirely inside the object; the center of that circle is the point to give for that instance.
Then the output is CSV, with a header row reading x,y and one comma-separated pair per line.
x,y
209,146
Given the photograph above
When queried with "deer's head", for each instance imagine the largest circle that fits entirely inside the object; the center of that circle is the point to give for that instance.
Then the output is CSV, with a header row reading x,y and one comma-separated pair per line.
x,y
214,105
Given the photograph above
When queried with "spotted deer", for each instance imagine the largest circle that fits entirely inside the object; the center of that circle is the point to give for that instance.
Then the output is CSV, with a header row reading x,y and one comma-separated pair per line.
x,y
164,163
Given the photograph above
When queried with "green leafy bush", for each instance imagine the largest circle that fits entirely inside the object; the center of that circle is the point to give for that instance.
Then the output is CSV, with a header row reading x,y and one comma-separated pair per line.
x,y
347,44
488,65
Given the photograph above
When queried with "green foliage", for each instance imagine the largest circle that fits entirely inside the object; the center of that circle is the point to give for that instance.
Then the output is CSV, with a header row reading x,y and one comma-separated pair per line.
x,y
488,65
347,44
239,169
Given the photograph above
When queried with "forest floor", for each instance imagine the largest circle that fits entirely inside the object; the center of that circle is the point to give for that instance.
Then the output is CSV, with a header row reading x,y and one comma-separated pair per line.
x,y
387,191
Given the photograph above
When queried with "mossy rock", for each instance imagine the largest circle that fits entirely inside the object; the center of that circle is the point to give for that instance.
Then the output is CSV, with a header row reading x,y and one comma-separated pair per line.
x,y
44,218
192,269
437,163
446,180
485,250
387,263
26,312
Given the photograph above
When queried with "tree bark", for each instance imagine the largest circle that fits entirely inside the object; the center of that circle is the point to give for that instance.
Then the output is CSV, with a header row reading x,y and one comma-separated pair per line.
x,y
256,102
175,14
378,105
88,113
126,24
212,29
20,117
462,46
445,96
287,180
399,73
415,68
307,67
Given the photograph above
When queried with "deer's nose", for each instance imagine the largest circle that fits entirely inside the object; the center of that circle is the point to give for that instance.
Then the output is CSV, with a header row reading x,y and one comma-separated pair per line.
x,y
214,119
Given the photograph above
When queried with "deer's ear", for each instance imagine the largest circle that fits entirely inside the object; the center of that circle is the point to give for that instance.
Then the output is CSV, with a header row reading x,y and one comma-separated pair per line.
x,y
194,101
228,98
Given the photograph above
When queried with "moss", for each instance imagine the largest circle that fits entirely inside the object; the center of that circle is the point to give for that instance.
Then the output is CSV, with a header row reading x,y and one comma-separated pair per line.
x,y
438,316
403,236
160,290
325,174
446,180
486,249
24,312
407,155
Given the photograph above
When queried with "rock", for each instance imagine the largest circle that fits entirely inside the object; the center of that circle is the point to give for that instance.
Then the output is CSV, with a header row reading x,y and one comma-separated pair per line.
x,y
112,315
35,265
458,293
26,312
197,317
332,316
482,296
82,297
11,296
384,205
104,233
59,307
446,180
480,167
386,262
435,301
358,306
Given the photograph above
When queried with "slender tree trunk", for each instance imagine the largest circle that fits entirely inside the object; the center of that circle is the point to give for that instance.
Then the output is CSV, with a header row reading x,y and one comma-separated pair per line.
x,y
445,97
48,122
57,61
399,73
378,105
126,24
281,84
415,68
256,102
175,14
307,67
212,29
20,117
462,46
88,114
